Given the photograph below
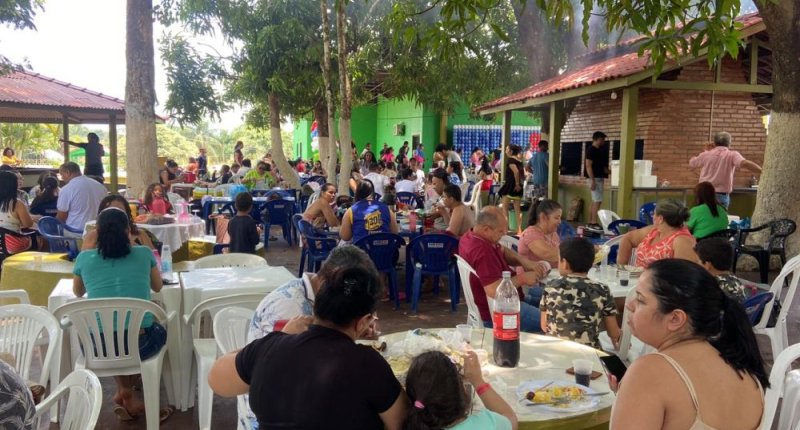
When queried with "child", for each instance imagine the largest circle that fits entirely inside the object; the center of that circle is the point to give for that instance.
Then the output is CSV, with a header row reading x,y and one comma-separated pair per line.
x,y
242,228
716,255
155,201
439,400
573,306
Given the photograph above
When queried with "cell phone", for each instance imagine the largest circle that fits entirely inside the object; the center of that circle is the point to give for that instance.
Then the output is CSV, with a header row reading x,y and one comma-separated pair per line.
x,y
614,366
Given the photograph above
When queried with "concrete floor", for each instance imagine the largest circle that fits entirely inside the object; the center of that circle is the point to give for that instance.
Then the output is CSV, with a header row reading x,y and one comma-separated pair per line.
x,y
433,312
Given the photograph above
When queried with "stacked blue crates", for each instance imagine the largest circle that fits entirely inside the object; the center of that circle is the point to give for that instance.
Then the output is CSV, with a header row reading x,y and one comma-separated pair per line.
x,y
488,137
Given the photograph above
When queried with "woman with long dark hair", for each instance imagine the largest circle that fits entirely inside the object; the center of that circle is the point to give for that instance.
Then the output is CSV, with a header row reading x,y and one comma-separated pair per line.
x,y
708,372
511,191
138,236
46,199
708,217
117,269
366,216
540,241
14,214
319,378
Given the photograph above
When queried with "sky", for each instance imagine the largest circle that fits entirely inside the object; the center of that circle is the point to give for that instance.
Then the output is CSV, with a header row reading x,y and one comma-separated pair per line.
x,y
83,42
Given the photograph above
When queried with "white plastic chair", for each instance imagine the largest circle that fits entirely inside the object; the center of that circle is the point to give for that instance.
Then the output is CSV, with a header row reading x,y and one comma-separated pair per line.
x,y
630,348
205,350
783,384
606,217
475,201
510,242
230,332
464,272
99,353
464,189
173,198
84,396
233,259
777,334
20,295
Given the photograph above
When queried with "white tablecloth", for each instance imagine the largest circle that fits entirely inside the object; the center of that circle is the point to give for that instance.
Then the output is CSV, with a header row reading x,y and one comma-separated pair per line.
x,y
174,235
617,290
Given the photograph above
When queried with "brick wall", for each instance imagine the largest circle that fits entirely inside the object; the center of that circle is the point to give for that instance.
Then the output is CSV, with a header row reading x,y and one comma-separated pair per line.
x,y
676,124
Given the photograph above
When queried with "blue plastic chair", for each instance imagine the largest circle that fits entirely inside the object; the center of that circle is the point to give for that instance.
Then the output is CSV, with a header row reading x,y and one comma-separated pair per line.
x,y
218,248
632,223
384,250
53,231
296,223
565,230
754,306
465,198
280,213
647,213
409,199
316,248
431,254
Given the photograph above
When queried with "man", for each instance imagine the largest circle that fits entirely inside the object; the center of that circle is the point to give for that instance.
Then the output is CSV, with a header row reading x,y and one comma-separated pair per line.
x,y
597,171
413,164
79,200
94,153
539,166
480,247
296,298
202,163
379,181
448,155
402,153
717,165
246,166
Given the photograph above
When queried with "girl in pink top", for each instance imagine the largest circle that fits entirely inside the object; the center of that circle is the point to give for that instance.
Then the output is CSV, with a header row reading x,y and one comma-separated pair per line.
x,y
540,241
668,237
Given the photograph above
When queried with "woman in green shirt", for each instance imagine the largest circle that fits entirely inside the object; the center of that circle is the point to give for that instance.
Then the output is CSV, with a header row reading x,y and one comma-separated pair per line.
x,y
259,178
708,217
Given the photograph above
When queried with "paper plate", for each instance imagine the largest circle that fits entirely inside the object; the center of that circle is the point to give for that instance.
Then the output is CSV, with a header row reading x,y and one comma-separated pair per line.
x,y
573,406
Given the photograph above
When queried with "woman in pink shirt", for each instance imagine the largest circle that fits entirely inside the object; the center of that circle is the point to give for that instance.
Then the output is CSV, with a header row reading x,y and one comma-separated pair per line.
x,y
540,241
668,237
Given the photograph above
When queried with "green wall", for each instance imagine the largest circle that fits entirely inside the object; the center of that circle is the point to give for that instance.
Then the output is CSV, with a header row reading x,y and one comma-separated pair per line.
x,y
363,125
301,138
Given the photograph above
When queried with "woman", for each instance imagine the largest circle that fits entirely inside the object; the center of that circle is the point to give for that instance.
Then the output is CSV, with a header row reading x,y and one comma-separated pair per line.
x,y
9,158
540,241
477,157
708,217
496,158
708,372
511,191
238,155
14,214
137,236
456,173
367,162
388,156
458,216
155,200
321,213
259,178
294,381
170,174
34,192
366,216
668,237
486,173
317,170
45,201
355,178
117,269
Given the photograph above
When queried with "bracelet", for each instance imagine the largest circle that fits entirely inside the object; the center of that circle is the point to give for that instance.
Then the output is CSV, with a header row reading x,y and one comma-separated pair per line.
x,y
481,389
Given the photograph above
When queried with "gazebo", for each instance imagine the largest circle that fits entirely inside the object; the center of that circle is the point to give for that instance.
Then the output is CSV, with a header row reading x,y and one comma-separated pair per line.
x,y
27,97
666,117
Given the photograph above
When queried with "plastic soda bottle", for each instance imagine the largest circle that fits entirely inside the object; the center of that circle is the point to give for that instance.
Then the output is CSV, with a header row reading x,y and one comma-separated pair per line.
x,y
166,263
505,320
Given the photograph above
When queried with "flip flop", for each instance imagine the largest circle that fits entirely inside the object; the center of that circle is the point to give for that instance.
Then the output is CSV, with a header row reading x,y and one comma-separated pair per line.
x,y
123,414
165,413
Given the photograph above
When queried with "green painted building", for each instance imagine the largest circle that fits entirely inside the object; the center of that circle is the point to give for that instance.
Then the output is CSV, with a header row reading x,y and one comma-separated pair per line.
x,y
394,121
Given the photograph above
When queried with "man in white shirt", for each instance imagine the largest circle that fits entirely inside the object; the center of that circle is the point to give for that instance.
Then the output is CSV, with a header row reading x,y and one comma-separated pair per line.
x,y
420,175
448,155
378,180
407,184
79,200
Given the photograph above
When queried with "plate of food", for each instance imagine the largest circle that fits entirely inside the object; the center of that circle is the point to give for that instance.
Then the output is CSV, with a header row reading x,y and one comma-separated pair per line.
x,y
633,270
557,396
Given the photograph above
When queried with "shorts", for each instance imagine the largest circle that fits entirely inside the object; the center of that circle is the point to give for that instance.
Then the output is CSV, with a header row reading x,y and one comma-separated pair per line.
x,y
597,194
151,340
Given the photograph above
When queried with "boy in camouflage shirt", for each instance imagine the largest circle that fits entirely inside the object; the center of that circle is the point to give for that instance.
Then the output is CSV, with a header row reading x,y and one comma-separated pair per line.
x,y
716,255
573,306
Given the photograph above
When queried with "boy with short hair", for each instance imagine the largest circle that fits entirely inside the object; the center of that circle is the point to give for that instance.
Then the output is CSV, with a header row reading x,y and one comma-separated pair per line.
x,y
716,255
242,227
573,306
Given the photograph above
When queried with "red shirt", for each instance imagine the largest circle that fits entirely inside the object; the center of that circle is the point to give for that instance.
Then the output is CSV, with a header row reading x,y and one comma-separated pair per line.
x,y
301,167
489,263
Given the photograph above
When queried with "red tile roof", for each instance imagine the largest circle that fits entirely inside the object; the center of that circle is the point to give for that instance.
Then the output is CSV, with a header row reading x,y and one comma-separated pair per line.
x,y
34,89
619,66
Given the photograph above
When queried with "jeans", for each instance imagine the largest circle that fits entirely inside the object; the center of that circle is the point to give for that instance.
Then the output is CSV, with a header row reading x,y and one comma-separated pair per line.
x,y
151,339
724,199
530,317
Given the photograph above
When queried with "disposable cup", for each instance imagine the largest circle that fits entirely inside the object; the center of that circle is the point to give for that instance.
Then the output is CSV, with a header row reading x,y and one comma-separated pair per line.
x,y
583,371
466,332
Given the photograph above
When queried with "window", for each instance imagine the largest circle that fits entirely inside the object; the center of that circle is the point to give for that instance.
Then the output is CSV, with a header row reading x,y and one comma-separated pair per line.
x,y
638,151
572,158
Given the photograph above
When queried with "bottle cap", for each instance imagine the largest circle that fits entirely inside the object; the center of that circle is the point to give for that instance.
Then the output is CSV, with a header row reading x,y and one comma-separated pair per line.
x,y
506,274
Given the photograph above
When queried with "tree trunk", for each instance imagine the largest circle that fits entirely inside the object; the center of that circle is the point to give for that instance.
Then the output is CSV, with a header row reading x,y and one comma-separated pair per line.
x,y
346,96
278,156
141,147
779,187
321,115
330,166
535,38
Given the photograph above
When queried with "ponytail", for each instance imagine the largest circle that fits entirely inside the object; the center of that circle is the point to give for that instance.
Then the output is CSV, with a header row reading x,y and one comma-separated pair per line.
x,y
539,207
737,343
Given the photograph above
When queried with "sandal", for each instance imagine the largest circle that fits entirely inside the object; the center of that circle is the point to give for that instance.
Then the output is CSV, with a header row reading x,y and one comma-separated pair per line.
x,y
165,413
123,414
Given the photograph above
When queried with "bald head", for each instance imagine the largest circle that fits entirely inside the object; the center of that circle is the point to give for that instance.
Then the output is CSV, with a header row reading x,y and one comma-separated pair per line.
x,y
491,216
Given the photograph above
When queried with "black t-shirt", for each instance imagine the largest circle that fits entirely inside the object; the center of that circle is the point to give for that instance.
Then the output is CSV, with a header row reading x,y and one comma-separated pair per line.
x,y
319,379
599,158
244,234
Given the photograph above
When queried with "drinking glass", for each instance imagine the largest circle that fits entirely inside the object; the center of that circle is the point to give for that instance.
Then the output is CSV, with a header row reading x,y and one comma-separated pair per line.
x,y
466,332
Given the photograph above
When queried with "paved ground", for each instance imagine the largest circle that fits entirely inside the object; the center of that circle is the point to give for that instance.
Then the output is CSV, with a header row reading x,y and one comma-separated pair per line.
x,y
434,312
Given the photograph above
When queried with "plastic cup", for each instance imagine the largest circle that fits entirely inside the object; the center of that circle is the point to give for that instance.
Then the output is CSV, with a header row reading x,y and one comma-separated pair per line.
x,y
466,332
37,261
583,371
609,273
624,277
623,228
